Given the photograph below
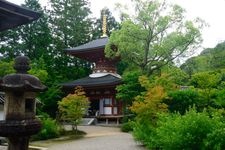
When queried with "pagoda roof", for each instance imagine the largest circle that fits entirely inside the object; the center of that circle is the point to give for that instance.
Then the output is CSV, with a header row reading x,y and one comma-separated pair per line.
x,y
92,45
89,82
90,51
12,15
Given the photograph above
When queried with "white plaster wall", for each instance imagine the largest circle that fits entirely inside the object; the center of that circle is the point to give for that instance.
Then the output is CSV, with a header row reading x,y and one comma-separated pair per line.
x,y
108,110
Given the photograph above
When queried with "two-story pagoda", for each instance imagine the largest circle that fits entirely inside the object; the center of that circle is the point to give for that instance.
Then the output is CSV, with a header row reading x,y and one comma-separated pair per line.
x,y
100,85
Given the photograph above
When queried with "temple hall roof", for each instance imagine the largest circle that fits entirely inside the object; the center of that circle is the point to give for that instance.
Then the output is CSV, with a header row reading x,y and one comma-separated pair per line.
x,y
12,15
89,82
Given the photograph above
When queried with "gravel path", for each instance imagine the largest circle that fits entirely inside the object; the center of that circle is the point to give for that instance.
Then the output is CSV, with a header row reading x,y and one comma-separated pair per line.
x,y
97,138
100,138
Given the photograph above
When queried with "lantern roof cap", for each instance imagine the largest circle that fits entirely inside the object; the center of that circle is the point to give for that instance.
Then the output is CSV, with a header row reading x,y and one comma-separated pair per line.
x,y
21,81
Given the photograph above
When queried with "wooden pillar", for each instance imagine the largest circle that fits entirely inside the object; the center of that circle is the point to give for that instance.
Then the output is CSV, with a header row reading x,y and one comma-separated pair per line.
x,y
112,105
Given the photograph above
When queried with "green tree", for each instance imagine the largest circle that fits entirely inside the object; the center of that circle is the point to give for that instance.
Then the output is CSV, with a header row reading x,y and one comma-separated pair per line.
x,y
181,100
36,37
73,107
130,88
177,75
157,35
210,59
50,98
6,68
71,22
9,43
207,83
71,26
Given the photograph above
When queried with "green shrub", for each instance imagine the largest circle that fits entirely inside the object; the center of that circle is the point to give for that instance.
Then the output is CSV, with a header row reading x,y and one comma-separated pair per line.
x,y
216,139
128,126
219,100
50,129
144,132
184,132
193,130
180,101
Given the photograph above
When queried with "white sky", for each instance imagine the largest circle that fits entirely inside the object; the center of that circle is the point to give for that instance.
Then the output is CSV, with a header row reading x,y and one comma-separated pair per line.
x,y
212,11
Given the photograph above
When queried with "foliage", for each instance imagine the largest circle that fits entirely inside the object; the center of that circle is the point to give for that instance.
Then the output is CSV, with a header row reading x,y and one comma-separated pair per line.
x,y
144,132
155,37
50,129
184,132
178,76
77,29
148,105
207,83
210,59
216,139
9,43
39,69
205,80
164,80
6,68
69,30
195,65
193,130
127,126
73,107
181,100
49,99
220,97
130,88
36,37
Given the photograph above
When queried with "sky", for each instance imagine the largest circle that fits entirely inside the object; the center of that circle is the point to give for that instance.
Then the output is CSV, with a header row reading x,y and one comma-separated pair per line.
x,y
211,11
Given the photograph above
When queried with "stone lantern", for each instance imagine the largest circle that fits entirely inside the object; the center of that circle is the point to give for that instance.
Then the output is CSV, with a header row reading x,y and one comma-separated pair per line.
x,y
20,105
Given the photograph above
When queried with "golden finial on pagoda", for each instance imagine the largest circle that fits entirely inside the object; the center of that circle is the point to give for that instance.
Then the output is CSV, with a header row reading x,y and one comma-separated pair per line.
x,y
104,26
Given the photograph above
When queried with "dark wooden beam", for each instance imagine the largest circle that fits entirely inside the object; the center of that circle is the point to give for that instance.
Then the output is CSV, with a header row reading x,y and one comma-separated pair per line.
x,y
12,15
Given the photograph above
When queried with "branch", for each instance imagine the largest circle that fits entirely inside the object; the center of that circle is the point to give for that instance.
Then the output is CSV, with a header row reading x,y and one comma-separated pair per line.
x,y
169,60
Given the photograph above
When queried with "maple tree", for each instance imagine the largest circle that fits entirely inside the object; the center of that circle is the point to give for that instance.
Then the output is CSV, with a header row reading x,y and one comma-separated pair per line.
x,y
73,107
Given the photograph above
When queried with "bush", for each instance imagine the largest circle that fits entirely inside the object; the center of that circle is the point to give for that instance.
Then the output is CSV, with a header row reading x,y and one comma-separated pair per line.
x,y
128,126
216,139
184,132
180,101
220,96
144,132
50,129
193,130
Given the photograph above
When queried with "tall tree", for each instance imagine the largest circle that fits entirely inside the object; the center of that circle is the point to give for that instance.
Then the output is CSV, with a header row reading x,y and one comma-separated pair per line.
x,y
71,26
112,24
36,37
70,21
9,43
155,36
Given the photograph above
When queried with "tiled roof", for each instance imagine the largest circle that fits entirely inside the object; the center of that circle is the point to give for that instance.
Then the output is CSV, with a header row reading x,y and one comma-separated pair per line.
x,y
95,44
93,82
12,15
